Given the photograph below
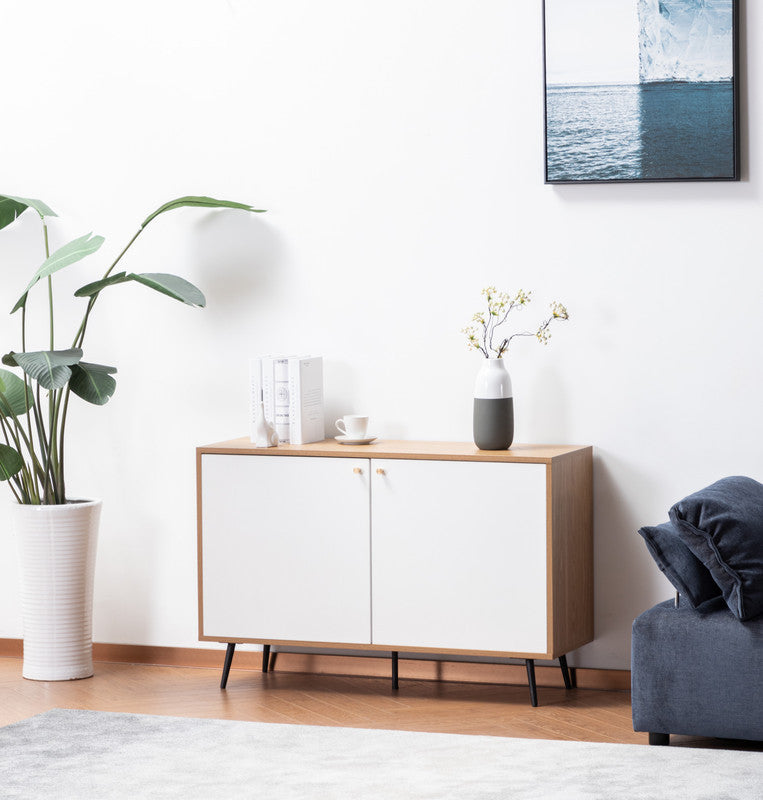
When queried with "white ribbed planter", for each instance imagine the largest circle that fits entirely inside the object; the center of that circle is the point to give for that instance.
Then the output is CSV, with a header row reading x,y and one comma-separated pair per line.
x,y
56,547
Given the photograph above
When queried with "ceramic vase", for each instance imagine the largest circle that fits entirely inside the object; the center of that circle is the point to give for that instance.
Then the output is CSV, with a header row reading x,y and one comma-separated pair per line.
x,y
56,547
493,406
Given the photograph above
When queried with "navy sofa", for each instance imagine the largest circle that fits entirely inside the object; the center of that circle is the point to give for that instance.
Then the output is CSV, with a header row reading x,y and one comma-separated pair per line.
x,y
697,663
697,673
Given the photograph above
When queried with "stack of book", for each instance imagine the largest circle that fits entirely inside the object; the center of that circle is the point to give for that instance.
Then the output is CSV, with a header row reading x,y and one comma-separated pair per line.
x,y
291,391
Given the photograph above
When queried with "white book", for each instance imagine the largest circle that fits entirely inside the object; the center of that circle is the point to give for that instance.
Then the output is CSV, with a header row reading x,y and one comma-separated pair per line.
x,y
281,398
255,393
306,399
268,389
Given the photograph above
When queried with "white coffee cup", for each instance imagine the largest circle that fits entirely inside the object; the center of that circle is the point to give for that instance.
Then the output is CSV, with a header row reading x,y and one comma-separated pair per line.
x,y
353,426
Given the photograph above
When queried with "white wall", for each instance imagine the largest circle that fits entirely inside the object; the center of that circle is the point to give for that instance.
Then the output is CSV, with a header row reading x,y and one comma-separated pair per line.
x,y
398,148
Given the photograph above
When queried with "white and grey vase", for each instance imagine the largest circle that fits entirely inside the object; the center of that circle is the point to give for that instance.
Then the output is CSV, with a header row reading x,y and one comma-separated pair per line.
x,y
493,406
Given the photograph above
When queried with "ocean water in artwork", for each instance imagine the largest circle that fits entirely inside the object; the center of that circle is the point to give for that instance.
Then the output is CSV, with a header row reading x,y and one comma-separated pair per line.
x,y
593,133
651,131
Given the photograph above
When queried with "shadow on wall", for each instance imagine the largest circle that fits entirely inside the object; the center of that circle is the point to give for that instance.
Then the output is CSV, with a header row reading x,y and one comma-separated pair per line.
x,y
549,410
237,257
344,385
118,576
340,376
625,573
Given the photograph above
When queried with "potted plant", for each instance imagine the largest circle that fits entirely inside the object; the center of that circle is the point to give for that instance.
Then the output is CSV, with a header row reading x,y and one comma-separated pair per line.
x,y
57,533
493,415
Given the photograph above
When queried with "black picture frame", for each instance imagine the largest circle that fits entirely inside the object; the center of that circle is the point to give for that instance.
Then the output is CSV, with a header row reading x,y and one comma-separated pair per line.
x,y
669,125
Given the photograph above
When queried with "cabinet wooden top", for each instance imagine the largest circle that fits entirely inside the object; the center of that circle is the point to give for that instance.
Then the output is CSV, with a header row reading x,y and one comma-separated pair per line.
x,y
388,448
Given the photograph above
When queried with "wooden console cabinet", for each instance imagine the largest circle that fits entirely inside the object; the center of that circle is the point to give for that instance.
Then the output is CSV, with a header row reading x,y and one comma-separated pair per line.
x,y
397,546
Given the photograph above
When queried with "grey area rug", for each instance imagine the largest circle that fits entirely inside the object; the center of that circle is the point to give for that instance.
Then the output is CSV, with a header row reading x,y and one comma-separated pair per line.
x,y
91,754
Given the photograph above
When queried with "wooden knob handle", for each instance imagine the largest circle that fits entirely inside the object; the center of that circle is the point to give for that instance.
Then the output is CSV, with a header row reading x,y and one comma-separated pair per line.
x,y
358,471
380,471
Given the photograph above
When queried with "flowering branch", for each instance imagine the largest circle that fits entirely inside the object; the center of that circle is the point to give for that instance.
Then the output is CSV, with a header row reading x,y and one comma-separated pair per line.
x,y
480,334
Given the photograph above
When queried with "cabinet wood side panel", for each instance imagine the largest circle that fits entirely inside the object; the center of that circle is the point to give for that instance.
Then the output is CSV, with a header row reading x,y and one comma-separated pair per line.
x,y
550,582
571,551
199,559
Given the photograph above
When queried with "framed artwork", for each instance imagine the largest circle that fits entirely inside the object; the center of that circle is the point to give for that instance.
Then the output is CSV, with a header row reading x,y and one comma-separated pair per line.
x,y
641,90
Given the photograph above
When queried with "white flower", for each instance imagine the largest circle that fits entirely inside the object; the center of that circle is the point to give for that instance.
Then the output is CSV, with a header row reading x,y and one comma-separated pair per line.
x,y
559,311
479,336
543,335
522,298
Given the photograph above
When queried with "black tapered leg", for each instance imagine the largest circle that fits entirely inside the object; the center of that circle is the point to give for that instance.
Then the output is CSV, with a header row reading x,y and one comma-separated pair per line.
x,y
568,682
265,657
661,739
228,661
395,684
530,664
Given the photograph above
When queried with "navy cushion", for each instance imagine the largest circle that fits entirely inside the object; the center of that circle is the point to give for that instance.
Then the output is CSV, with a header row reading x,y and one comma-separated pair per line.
x,y
680,566
723,526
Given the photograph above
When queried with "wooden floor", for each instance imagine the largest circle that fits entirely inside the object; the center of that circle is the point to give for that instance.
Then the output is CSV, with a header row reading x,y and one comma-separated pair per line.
x,y
489,709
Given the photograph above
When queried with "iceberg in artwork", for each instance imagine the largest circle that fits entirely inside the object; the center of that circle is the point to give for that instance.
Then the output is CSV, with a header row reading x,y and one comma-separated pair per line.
x,y
685,40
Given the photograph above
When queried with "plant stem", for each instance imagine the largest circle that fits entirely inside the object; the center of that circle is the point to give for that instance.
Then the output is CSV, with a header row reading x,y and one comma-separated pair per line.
x,y
7,441
13,479
11,430
80,335
53,460
18,430
42,439
61,477
33,489
497,324
126,248
15,493
6,430
513,335
31,492
50,484
57,443
50,282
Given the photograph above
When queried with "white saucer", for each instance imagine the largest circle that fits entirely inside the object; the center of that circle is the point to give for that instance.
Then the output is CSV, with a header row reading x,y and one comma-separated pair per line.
x,y
349,440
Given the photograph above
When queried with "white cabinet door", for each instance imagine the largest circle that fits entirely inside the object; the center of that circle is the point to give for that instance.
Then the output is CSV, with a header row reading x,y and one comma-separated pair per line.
x,y
285,548
459,555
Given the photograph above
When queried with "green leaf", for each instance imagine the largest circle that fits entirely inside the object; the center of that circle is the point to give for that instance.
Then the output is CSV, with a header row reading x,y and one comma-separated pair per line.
x,y
172,286
43,209
70,253
16,397
199,202
11,207
11,462
93,288
93,382
9,210
9,360
50,368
